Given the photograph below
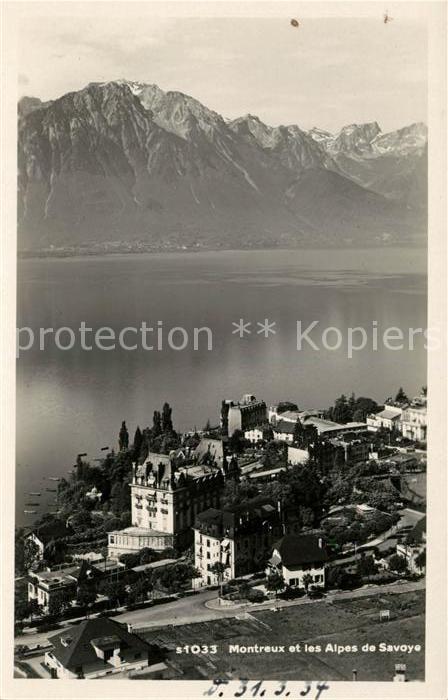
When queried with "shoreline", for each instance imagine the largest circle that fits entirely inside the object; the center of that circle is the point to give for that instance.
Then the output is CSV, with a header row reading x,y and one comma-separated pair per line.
x,y
62,254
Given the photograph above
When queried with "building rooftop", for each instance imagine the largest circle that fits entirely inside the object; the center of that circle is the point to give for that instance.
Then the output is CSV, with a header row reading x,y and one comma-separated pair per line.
x,y
74,647
388,414
136,531
154,565
266,472
301,549
291,416
322,424
418,533
284,426
52,530
237,515
197,470
61,576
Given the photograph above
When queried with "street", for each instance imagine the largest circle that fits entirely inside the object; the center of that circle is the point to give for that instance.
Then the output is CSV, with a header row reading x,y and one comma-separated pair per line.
x,y
193,609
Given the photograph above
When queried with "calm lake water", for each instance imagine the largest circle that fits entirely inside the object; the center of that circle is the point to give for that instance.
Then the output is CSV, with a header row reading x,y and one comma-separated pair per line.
x,y
74,401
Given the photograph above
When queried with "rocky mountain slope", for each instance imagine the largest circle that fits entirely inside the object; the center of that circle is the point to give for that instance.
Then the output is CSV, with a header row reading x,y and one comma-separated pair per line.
x,y
126,161
389,164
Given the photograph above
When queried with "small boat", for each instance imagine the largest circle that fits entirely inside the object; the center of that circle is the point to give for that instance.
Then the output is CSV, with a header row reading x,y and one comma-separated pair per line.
x,y
51,490
32,504
82,454
104,448
54,478
33,493
30,512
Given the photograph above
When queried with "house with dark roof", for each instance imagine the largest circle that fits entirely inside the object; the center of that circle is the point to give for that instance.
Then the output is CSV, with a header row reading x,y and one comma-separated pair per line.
x,y
413,546
284,430
297,557
98,648
47,532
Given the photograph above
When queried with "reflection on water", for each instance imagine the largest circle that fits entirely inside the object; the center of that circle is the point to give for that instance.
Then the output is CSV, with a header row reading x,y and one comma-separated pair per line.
x,y
74,401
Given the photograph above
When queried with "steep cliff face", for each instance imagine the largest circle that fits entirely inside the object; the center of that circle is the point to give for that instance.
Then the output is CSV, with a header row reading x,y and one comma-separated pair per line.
x,y
388,163
126,161
289,145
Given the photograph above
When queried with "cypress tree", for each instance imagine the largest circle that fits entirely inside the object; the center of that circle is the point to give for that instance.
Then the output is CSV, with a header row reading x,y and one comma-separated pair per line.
x,y
167,423
156,424
138,439
123,437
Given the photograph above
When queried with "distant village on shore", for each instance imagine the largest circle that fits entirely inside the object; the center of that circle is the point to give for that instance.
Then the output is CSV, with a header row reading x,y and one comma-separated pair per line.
x,y
274,506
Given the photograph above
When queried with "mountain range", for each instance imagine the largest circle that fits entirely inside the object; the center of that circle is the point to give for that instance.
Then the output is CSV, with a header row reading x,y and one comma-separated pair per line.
x,y
127,162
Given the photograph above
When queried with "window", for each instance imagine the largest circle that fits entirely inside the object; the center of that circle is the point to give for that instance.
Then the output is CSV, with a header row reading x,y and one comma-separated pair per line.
x,y
208,543
111,539
208,555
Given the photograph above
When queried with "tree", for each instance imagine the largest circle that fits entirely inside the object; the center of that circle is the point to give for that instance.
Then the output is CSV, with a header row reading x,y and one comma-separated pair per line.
x,y
167,423
85,597
351,404
21,609
234,471
366,566
218,569
156,424
275,454
298,433
34,608
401,396
125,519
310,436
123,437
114,590
31,553
54,551
335,576
275,582
420,559
137,446
169,441
286,406
307,581
244,589
175,577
58,602
120,498
398,563
129,560
147,555
236,442
341,411
237,492
140,589
363,407
81,520
225,418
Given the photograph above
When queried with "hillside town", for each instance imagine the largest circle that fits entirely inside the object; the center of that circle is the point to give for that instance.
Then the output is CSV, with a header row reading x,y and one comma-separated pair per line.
x,y
274,507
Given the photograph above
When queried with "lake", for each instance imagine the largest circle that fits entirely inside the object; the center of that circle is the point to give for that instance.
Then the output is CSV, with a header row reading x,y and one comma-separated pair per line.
x,y
72,401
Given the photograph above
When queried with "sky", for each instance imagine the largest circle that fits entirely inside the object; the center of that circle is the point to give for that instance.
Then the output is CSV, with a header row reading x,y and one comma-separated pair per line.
x,y
328,72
